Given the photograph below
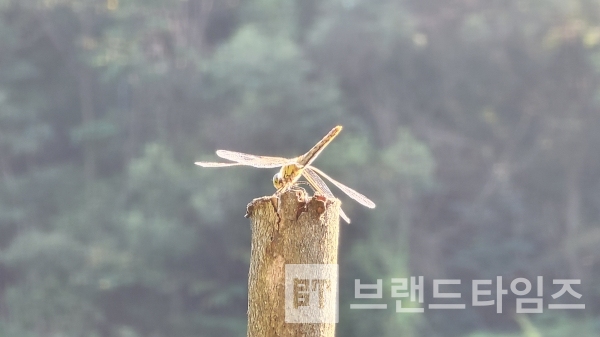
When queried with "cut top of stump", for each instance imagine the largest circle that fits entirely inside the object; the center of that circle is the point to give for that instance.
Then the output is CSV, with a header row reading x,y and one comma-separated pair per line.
x,y
295,206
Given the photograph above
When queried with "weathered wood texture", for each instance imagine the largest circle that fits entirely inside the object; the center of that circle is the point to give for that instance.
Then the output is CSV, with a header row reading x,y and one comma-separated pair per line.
x,y
292,229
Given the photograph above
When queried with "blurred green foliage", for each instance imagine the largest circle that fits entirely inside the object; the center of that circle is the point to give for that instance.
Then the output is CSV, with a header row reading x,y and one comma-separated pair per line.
x,y
471,124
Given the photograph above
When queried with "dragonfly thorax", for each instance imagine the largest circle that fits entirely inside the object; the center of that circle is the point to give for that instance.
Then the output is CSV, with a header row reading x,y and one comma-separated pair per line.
x,y
287,176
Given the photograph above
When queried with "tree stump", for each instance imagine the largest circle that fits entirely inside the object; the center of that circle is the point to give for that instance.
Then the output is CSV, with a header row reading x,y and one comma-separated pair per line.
x,y
292,231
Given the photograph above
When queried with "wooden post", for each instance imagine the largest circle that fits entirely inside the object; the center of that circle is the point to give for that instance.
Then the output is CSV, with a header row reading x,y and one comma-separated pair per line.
x,y
288,230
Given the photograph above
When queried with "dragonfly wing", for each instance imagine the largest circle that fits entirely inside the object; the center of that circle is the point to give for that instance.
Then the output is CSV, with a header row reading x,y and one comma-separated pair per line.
x,y
321,187
213,164
252,160
344,216
350,192
317,183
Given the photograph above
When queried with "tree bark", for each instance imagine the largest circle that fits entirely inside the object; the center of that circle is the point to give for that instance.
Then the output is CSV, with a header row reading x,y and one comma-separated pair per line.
x,y
286,231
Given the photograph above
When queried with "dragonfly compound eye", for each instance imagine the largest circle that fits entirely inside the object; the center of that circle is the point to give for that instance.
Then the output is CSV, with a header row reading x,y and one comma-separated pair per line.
x,y
277,180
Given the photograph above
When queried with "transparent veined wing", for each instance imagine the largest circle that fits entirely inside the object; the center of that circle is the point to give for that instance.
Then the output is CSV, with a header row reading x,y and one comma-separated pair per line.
x,y
256,161
321,187
239,158
350,192
213,164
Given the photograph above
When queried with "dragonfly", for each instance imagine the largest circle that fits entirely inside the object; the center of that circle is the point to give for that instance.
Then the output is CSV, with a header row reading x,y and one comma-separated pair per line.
x,y
292,169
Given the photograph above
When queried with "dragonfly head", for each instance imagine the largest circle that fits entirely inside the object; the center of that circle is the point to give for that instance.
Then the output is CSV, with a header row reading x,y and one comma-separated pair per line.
x,y
287,176
278,181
